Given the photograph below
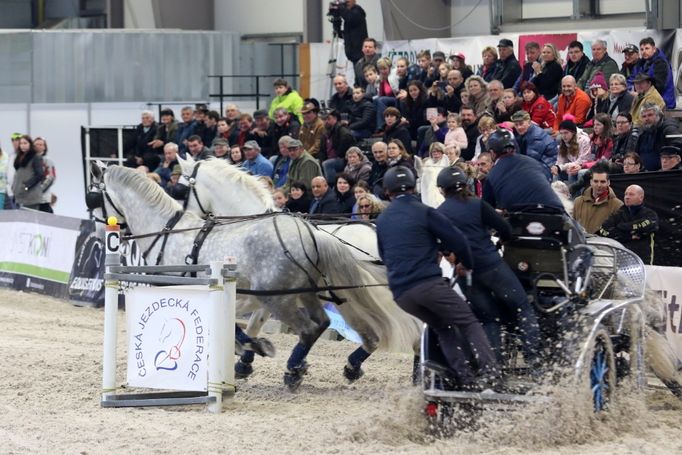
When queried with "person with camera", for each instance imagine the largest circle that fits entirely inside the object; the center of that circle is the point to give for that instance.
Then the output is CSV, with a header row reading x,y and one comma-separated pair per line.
x,y
354,26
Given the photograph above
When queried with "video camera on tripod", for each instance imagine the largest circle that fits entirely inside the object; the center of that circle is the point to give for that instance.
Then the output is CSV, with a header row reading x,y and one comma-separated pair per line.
x,y
334,16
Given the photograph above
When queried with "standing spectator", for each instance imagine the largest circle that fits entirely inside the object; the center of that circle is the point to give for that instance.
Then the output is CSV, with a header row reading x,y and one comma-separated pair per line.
x,y
577,60
478,95
654,63
413,108
548,74
358,168
362,116
532,49
646,94
597,203
343,96
287,98
4,160
633,225
490,63
574,150
508,68
395,130
280,168
535,142
657,131
354,28
170,160
48,198
470,125
324,199
626,137
379,168
303,166
572,101
312,130
263,131
670,158
197,149
537,106
167,130
620,100
299,198
599,94
369,57
286,124
138,148
255,163
601,63
630,59
29,175
185,128
345,198
337,140
458,63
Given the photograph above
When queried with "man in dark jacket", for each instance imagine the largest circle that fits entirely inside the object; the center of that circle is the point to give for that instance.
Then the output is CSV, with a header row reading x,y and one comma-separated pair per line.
x,y
601,62
342,99
633,225
654,63
470,124
379,168
577,60
369,57
409,234
139,150
337,140
324,199
535,142
362,116
655,131
670,158
532,49
354,28
630,60
508,68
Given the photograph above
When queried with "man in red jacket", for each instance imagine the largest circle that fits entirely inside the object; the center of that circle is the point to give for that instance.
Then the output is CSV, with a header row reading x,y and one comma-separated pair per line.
x,y
572,101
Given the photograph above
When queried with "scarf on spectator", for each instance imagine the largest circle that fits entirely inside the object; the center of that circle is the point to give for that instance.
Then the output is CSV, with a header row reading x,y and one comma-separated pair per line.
x,y
601,197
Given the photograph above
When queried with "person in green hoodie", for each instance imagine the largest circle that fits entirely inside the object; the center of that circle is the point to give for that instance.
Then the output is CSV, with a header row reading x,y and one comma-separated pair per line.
x,y
287,98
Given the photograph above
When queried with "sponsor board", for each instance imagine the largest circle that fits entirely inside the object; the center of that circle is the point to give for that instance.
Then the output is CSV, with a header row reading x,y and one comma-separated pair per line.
x,y
667,281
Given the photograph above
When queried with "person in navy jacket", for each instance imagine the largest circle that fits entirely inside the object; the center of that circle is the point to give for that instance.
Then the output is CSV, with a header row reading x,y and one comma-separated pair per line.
x,y
408,234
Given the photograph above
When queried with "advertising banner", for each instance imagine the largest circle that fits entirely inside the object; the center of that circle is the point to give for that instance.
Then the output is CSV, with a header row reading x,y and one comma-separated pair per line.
x,y
168,331
86,284
668,282
37,251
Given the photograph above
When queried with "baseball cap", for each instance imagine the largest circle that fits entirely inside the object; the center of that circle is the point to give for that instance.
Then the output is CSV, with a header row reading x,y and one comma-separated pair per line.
x,y
251,145
458,55
260,113
438,54
504,42
294,143
630,48
221,141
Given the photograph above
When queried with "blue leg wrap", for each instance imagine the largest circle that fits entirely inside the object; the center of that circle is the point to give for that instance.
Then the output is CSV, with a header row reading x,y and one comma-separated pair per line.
x,y
297,356
357,357
241,336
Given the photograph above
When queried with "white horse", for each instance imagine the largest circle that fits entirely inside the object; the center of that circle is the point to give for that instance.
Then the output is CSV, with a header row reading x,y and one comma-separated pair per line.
x,y
224,190
277,252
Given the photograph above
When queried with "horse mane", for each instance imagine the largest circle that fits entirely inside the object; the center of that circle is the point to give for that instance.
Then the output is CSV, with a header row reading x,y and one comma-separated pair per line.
x,y
148,190
224,171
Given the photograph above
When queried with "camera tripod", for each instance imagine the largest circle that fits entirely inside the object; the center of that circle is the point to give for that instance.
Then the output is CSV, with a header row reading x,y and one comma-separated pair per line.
x,y
331,62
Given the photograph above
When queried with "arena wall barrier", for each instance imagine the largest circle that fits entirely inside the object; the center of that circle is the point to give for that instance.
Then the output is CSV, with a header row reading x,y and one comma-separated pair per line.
x,y
668,282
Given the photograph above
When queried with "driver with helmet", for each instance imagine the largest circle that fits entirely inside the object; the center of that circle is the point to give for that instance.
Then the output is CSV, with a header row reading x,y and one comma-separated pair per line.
x,y
408,234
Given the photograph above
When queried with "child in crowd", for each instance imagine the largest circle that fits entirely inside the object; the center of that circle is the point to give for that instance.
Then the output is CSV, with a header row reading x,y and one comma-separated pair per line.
x,y
280,198
455,136
372,78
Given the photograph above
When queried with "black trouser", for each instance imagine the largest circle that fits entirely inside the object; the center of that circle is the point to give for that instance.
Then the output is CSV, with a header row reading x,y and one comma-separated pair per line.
x,y
435,303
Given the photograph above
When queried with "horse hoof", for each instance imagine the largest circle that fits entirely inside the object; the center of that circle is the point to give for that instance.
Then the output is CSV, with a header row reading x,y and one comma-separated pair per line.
x,y
263,347
352,373
293,380
242,370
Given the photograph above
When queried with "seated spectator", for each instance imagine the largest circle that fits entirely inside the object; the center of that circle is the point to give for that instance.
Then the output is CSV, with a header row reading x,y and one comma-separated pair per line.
x,y
223,130
137,149
177,187
232,114
632,164
185,128
362,116
303,166
343,95
167,130
596,203
670,158
236,156
478,95
572,101
360,189
358,168
254,162
221,149
574,150
484,163
401,65
286,124
245,131
534,142
626,137
413,108
437,156
423,70
634,225
508,67
490,62
506,107
464,97
399,156
468,117
395,130
620,100
443,71
548,73
539,109
532,49
485,126
630,59
654,63
577,60
210,130
656,133
286,98
457,61
196,147
379,168
388,89
455,135
280,166
601,63
601,140
345,197
263,131
372,77
312,130
324,199
646,94
495,89
370,56
280,198
337,140
430,133
369,208
599,95
299,198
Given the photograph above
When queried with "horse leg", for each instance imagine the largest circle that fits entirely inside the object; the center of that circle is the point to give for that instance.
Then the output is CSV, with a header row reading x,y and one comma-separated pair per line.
x,y
352,371
253,345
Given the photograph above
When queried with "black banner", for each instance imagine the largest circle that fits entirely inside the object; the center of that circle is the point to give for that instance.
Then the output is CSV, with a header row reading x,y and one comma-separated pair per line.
x,y
663,194
86,283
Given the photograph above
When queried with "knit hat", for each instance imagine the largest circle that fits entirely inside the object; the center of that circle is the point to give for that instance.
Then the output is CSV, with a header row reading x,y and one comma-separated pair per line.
x,y
598,81
568,125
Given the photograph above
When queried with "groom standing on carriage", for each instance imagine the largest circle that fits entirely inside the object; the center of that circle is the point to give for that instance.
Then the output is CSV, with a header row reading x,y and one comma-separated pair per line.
x,y
408,233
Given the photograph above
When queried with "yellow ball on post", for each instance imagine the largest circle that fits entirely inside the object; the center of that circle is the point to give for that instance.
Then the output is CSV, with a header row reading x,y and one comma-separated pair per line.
x,y
112,221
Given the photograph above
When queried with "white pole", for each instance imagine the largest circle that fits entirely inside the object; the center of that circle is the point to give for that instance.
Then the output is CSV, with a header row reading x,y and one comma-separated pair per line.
x,y
230,299
111,241
217,338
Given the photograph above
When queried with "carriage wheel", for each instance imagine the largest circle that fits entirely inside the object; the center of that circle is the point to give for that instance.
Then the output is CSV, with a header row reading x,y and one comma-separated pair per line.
x,y
600,365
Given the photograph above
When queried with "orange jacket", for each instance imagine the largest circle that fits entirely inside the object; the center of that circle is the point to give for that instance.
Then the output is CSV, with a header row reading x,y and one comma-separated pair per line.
x,y
579,106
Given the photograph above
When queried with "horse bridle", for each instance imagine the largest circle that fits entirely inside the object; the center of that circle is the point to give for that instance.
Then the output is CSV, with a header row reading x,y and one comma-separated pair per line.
x,y
95,200
192,180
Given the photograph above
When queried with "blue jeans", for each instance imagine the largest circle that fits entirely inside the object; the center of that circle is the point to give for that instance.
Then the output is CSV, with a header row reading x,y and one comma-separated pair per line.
x,y
331,167
497,293
381,103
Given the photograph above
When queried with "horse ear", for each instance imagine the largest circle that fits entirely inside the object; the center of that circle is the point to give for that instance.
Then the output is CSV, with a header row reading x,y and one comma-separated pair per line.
x,y
186,164
97,168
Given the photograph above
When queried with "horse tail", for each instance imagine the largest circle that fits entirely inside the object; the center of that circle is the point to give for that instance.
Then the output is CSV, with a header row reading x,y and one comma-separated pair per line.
x,y
371,311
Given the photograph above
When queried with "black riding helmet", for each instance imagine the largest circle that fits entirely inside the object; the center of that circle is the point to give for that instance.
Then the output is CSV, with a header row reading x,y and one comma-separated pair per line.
x,y
500,141
399,179
451,178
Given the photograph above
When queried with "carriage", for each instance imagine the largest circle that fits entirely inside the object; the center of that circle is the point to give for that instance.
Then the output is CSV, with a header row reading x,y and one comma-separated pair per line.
x,y
588,295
